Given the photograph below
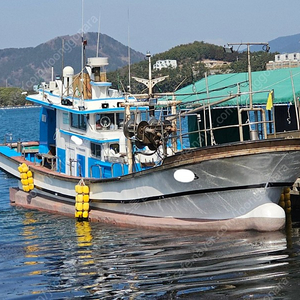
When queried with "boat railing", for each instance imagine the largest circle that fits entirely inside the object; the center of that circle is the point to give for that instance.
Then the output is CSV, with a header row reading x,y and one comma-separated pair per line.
x,y
250,122
112,169
100,170
259,126
10,137
58,160
79,169
204,133
253,133
263,122
46,160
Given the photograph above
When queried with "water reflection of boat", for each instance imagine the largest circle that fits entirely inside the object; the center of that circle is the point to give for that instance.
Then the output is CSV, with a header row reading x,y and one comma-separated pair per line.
x,y
158,264
121,160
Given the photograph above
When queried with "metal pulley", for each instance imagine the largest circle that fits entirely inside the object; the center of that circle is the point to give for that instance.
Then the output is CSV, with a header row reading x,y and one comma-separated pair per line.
x,y
149,134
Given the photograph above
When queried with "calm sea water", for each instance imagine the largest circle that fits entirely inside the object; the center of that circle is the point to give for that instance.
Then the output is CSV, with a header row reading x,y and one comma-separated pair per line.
x,y
48,256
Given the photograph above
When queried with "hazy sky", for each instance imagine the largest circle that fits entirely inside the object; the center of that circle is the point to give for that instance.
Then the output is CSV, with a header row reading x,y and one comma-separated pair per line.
x,y
154,25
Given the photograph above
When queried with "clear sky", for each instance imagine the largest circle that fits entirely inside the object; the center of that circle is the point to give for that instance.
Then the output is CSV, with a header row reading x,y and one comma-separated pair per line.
x,y
154,25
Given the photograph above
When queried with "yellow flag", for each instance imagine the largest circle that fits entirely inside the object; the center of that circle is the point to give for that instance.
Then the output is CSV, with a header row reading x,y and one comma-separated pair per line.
x,y
270,101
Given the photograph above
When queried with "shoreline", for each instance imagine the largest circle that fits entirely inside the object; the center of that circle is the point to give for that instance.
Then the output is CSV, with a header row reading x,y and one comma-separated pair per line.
x,y
21,106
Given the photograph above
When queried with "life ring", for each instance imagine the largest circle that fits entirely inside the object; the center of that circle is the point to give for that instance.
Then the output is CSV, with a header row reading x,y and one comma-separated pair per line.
x,y
105,121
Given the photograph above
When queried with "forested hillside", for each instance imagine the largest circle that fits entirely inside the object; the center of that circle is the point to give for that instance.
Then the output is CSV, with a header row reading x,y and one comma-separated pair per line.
x,y
190,66
29,66
12,96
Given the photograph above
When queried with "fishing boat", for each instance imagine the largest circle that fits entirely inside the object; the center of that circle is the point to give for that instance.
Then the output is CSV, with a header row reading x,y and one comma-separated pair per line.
x,y
135,160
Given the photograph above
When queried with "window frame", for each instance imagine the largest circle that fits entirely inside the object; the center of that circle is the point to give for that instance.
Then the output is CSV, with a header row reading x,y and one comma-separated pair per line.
x,y
116,118
96,150
78,121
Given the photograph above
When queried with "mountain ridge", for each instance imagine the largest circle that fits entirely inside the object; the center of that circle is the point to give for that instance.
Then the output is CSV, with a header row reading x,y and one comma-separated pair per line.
x,y
25,67
283,44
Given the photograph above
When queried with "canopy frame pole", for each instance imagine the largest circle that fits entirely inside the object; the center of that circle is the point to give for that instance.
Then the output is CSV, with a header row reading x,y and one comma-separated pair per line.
x,y
295,100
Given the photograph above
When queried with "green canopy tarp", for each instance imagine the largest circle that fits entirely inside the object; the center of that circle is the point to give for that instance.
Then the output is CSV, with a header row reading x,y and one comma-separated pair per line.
x,y
224,85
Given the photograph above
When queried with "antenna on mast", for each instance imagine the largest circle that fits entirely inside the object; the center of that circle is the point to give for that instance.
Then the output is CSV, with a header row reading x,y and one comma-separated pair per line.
x,y
129,79
98,39
62,56
82,55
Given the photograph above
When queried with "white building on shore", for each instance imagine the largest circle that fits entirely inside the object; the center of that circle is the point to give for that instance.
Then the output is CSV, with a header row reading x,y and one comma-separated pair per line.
x,y
167,63
286,60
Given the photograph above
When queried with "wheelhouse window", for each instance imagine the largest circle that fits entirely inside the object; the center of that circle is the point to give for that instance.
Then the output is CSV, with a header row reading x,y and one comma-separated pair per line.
x,y
115,147
96,150
109,121
78,121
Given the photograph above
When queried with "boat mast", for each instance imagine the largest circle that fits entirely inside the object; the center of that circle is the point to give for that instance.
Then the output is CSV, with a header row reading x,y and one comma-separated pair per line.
x,y
150,74
295,99
150,83
251,108
267,48
82,54
129,144
129,80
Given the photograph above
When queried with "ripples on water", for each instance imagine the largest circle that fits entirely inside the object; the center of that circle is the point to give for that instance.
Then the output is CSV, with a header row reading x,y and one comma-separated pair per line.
x,y
46,256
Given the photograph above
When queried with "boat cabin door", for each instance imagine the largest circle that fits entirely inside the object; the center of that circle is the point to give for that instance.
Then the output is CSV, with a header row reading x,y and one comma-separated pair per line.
x,y
47,131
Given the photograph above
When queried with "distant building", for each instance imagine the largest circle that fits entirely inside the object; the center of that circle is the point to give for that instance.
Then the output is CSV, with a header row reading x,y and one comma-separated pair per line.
x,y
216,66
282,61
167,63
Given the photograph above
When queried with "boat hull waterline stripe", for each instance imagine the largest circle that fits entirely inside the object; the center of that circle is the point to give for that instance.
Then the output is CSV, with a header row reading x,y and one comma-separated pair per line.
x,y
187,193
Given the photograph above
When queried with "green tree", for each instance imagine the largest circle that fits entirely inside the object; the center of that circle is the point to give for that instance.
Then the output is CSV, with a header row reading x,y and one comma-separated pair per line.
x,y
258,61
11,96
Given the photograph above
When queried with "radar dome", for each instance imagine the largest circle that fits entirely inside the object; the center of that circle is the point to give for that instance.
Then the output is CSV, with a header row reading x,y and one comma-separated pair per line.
x,y
68,71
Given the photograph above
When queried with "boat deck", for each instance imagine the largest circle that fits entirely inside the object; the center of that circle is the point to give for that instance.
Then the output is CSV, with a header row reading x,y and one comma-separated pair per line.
x,y
42,169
